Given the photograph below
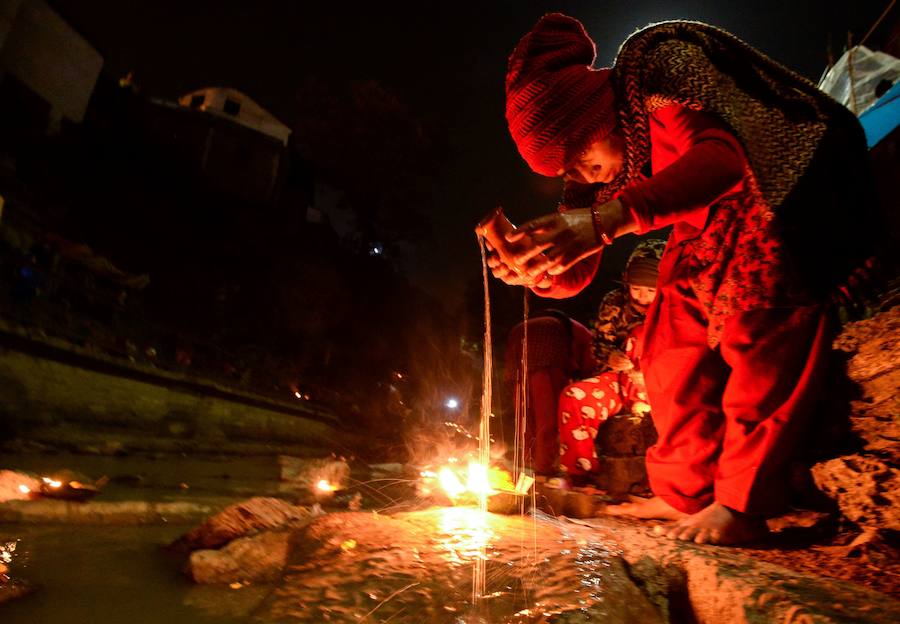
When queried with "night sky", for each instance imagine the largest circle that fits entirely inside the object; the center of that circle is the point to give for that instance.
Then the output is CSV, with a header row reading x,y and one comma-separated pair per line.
x,y
446,60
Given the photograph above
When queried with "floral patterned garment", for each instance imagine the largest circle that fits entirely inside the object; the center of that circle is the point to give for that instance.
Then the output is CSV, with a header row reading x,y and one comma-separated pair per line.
x,y
738,263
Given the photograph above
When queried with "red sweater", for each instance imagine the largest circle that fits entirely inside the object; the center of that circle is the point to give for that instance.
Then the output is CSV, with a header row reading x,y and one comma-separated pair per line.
x,y
702,184
695,160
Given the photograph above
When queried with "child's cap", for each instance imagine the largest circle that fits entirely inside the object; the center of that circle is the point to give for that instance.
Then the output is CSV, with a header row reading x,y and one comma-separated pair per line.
x,y
642,268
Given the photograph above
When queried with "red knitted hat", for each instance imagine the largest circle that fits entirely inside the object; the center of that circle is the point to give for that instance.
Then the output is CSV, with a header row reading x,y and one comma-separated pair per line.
x,y
555,103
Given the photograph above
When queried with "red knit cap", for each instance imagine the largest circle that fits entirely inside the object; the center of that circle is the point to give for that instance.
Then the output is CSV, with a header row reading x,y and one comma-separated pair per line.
x,y
555,103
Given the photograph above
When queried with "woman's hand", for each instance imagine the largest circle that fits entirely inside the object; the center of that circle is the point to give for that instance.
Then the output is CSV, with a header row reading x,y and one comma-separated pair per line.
x,y
559,241
563,239
507,273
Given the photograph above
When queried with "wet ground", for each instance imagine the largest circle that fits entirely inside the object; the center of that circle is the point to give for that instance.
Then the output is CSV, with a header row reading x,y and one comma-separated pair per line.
x,y
345,567
423,566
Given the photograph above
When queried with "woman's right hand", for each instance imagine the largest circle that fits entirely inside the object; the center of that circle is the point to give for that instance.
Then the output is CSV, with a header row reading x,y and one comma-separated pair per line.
x,y
507,273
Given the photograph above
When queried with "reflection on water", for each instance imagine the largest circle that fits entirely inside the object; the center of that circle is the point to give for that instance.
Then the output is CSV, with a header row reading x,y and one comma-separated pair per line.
x,y
464,533
418,566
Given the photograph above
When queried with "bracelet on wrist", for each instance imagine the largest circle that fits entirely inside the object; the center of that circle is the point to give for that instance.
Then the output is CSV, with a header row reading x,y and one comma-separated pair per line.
x,y
599,230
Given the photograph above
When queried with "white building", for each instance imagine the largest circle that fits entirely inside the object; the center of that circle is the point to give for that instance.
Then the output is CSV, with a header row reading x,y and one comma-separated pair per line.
x,y
40,51
234,105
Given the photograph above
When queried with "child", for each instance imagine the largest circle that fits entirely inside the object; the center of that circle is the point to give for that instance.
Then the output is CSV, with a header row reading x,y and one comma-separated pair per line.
x,y
618,383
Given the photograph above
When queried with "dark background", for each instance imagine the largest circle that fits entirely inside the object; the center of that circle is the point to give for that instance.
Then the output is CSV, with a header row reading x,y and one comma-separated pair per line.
x,y
398,107
446,61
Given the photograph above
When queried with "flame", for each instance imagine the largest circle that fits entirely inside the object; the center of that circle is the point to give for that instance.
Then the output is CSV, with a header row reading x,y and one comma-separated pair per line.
x,y
451,483
478,482
52,482
24,489
324,486
475,479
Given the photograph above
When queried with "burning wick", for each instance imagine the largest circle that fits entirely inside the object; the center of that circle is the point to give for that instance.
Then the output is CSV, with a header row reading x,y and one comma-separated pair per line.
x,y
24,489
324,486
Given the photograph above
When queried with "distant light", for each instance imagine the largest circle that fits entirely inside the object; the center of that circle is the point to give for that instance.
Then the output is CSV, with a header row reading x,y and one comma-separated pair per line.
x,y
376,249
298,395
452,403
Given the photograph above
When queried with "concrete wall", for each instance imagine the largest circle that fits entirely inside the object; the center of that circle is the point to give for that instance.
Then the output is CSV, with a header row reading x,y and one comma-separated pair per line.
x,y
42,51
75,404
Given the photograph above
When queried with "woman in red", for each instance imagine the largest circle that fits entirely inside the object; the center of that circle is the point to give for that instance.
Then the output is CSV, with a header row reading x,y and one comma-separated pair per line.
x,y
756,171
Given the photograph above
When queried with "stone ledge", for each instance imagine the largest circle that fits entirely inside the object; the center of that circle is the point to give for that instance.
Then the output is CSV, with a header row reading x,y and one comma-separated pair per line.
x,y
723,585
121,513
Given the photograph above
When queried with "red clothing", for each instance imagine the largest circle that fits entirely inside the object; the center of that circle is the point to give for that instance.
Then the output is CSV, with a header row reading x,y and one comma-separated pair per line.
x,y
729,419
701,183
735,346
559,349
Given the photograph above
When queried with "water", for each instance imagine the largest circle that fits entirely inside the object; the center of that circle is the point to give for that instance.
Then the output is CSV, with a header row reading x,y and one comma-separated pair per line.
x,y
417,566
107,575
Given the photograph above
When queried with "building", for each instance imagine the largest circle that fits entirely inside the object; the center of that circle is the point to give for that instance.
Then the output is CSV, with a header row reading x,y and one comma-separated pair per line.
x,y
226,139
47,70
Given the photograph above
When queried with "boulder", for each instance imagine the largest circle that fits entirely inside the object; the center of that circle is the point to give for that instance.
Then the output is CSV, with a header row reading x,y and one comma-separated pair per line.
x,y
865,481
866,488
622,475
626,435
259,559
242,519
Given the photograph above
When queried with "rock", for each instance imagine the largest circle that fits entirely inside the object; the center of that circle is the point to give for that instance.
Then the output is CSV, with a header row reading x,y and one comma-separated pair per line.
x,y
259,558
709,584
873,347
866,488
414,567
246,518
622,475
875,546
626,435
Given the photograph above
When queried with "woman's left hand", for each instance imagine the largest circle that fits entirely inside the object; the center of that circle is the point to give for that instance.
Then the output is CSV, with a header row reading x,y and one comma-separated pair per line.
x,y
564,237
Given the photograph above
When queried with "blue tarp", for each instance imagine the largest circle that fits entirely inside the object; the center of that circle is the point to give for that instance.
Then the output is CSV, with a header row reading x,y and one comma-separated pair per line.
x,y
882,117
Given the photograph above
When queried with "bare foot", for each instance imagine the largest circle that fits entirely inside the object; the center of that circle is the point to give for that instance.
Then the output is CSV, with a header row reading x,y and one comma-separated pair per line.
x,y
716,524
645,508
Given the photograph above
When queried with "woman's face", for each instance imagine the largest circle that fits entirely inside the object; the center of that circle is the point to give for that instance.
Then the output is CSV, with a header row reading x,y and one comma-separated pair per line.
x,y
642,295
601,161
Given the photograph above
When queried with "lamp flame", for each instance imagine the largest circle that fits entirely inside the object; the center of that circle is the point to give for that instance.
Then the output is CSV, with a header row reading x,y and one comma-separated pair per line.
x,y
52,482
324,486
24,489
451,483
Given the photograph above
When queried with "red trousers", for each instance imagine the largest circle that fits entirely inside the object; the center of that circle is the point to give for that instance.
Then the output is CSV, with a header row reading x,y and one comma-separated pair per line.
x,y
583,407
729,419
